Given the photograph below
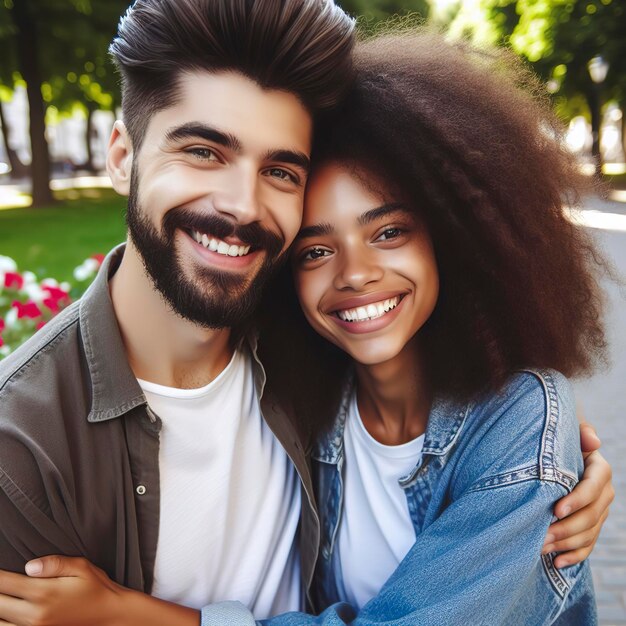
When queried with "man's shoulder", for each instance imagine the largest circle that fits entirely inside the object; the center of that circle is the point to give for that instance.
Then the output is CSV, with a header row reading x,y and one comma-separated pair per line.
x,y
50,347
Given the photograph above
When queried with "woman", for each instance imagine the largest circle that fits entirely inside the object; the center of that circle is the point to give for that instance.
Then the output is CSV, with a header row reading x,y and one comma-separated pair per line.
x,y
434,254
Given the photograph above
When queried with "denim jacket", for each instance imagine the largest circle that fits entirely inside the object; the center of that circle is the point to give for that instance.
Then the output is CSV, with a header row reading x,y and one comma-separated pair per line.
x,y
480,500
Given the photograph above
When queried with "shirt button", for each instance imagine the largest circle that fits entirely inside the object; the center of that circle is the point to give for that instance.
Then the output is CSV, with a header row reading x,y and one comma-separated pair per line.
x,y
141,490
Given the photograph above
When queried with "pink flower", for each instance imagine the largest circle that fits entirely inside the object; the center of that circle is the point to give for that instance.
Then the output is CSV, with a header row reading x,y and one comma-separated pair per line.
x,y
1,324
1,341
40,325
29,310
13,280
98,257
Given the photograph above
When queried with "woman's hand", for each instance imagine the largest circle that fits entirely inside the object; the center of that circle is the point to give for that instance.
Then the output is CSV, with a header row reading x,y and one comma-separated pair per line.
x,y
582,512
66,591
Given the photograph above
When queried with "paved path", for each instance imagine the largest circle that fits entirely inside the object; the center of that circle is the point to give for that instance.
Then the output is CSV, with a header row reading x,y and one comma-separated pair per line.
x,y
604,401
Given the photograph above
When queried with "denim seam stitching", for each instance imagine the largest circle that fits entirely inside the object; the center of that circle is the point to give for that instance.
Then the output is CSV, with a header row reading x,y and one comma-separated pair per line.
x,y
554,576
546,454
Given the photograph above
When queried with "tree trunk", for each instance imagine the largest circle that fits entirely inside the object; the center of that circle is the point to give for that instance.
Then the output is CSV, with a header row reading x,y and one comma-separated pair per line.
x,y
88,136
593,100
28,58
18,169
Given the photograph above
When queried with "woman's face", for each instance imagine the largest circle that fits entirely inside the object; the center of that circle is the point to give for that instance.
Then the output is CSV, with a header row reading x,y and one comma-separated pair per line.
x,y
364,266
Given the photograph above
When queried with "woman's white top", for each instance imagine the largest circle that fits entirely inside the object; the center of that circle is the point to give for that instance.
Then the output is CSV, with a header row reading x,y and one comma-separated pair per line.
x,y
375,532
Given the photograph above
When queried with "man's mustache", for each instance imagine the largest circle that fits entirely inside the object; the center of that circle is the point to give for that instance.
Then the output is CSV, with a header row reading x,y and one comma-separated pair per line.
x,y
220,227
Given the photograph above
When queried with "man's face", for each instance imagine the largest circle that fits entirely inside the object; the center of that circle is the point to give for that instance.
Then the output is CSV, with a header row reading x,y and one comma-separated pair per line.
x,y
216,194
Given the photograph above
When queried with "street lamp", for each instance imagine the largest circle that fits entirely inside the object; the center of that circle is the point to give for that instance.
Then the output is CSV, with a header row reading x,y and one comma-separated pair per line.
x,y
598,69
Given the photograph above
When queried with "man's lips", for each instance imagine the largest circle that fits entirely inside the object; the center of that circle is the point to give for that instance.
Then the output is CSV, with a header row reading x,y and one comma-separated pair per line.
x,y
220,257
228,246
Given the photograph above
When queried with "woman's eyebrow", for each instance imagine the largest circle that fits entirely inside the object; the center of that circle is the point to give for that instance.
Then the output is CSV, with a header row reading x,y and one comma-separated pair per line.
x,y
381,211
317,230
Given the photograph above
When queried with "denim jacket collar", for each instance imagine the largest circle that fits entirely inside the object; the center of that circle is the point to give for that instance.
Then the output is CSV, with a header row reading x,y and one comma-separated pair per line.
x,y
445,423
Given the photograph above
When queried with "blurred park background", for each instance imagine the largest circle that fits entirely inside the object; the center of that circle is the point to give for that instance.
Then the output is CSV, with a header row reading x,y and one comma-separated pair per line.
x,y
59,97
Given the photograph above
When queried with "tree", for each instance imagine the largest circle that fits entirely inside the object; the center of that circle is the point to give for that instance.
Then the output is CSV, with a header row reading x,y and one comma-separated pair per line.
x,y
49,41
558,37
371,12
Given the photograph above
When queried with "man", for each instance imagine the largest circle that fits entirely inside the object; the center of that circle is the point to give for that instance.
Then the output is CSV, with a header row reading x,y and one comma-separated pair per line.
x,y
135,429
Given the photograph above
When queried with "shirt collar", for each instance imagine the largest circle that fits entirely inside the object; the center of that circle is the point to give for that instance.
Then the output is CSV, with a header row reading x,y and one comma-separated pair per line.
x,y
115,390
445,423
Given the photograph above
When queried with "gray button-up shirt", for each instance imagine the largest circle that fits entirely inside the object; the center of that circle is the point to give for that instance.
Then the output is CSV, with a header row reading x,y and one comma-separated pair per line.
x,y
79,447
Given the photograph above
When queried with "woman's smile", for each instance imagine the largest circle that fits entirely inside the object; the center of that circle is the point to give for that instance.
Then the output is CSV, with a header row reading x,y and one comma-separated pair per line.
x,y
365,268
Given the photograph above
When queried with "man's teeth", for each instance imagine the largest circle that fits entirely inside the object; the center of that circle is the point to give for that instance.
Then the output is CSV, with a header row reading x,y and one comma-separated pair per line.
x,y
219,246
369,312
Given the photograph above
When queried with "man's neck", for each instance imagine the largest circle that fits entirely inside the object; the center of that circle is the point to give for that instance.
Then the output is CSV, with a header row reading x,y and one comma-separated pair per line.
x,y
161,346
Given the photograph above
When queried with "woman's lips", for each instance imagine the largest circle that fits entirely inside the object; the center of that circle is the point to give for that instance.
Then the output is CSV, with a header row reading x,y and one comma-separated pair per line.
x,y
375,320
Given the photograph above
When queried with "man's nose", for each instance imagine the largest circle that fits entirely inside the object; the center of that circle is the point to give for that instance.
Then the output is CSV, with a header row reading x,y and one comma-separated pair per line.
x,y
358,268
239,199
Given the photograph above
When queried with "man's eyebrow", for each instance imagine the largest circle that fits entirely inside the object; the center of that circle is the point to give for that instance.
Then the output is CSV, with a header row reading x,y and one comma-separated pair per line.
x,y
317,230
294,157
381,211
193,130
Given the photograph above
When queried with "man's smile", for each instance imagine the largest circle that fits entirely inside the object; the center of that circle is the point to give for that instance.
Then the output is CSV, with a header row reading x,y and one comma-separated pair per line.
x,y
220,246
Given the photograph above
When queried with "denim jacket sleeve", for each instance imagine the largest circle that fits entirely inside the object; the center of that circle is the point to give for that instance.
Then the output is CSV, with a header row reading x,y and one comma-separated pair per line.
x,y
479,560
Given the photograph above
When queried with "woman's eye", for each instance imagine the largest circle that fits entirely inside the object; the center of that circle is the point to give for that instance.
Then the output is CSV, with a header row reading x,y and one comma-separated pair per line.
x,y
315,253
390,233
204,154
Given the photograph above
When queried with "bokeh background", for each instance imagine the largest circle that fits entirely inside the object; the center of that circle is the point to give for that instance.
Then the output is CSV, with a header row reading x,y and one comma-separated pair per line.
x,y
59,97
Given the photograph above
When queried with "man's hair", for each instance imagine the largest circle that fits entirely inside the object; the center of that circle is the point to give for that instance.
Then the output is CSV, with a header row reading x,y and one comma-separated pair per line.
x,y
300,46
459,137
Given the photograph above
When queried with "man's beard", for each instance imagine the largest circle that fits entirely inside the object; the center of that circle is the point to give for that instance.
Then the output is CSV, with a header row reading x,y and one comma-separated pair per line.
x,y
211,298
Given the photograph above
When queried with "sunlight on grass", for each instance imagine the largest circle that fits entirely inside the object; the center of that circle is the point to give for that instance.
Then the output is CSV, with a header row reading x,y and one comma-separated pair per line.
x,y
52,241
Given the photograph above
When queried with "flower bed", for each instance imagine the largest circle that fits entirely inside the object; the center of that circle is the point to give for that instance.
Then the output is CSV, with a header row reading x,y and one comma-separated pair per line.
x,y
27,303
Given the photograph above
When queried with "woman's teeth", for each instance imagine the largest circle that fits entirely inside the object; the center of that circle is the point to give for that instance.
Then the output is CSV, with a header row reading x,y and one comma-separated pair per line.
x,y
369,312
219,246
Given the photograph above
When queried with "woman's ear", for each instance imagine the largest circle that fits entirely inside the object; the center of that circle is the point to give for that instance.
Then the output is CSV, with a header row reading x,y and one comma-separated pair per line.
x,y
120,158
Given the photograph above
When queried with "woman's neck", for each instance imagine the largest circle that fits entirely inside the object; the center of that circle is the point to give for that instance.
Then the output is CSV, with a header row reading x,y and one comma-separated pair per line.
x,y
394,398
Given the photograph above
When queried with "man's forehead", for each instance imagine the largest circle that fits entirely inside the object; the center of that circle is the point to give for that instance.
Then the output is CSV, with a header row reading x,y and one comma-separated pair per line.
x,y
239,107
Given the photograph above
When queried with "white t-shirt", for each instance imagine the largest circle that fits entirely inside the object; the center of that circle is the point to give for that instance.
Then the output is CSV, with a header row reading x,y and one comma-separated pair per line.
x,y
375,532
230,498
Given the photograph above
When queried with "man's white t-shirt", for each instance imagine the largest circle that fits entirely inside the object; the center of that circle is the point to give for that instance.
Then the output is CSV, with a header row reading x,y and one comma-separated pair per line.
x,y
230,498
375,532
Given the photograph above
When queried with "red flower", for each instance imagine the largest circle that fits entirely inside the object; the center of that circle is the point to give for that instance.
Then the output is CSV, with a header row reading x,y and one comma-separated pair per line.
x,y
1,341
29,310
57,295
98,257
1,324
40,325
52,304
13,280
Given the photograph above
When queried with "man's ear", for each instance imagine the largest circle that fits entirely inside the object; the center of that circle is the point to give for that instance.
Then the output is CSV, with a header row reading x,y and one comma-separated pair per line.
x,y
120,158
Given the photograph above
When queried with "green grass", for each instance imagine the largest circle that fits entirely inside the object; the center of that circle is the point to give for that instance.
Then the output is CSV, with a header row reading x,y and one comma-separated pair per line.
x,y
618,181
52,241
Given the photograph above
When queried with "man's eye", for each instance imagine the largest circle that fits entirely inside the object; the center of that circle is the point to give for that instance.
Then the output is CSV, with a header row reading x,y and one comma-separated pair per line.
x,y
315,253
204,154
281,174
390,233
